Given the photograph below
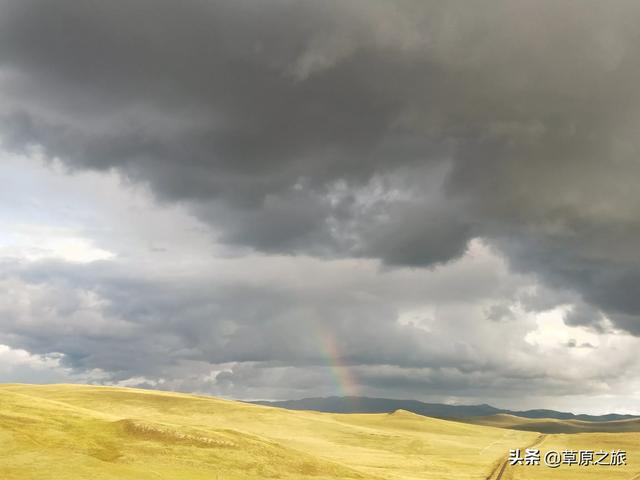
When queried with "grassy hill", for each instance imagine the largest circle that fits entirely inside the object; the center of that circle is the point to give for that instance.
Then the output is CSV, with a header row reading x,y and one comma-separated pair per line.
x,y
553,425
630,442
72,432
78,432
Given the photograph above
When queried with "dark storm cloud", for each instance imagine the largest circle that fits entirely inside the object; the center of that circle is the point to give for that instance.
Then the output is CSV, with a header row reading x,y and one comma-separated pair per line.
x,y
103,317
583,315
391,130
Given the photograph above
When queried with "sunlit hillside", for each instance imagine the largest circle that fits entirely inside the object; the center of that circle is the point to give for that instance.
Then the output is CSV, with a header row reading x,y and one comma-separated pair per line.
x,y
630,442
552,425
86,432
573,436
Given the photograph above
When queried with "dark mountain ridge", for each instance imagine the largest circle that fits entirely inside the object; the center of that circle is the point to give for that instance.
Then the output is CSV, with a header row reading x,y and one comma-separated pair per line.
x,y
437,410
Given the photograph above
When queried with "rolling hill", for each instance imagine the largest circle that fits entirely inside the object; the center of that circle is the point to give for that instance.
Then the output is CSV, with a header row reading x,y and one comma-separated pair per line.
x,y
78,432
554,425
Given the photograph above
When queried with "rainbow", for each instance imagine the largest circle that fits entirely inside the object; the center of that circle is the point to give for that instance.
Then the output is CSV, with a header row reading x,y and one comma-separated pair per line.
x,y
346,383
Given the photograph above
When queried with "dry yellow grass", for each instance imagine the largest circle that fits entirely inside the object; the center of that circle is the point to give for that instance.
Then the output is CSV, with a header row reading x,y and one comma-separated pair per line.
x,y
553,425
83,432
585,441
573,435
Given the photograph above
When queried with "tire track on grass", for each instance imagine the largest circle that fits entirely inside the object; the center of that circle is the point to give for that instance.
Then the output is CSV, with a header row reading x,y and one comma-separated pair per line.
x,y
498,472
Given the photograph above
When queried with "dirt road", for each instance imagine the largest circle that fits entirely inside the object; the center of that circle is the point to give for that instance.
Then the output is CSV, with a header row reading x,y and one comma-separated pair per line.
x,y
498,472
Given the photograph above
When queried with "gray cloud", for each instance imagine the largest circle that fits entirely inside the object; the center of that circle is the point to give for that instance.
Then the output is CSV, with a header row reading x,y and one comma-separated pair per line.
x,y
254,125
103,317
248,336
362,129
584,315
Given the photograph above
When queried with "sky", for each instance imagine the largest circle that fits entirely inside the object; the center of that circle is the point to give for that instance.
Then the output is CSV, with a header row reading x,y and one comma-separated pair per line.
x,y
284,199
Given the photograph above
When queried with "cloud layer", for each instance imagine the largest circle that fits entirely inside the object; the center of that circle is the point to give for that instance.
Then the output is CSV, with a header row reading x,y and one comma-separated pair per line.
x,y
340,132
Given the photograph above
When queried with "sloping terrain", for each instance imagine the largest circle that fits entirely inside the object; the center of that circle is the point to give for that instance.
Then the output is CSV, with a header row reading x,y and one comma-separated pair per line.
x,y
629,442
553,425
78,432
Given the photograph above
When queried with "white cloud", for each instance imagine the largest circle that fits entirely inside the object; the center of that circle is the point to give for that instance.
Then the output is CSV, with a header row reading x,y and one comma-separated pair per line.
x,y
20,366
38,242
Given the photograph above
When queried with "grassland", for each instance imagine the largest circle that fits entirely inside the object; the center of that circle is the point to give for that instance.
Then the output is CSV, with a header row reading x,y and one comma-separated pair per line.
x,y
572,435
552,425
84,432
584,441
76,432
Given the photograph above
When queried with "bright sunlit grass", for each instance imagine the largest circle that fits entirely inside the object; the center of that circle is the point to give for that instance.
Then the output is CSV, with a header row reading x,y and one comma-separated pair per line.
x,y
82,432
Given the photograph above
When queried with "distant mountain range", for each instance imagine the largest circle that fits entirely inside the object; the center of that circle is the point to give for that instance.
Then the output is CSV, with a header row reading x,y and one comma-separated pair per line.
x,y
437,410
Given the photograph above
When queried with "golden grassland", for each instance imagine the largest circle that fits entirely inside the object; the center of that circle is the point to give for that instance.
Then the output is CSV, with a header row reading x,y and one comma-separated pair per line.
x,y
86,432
572,435
584,441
